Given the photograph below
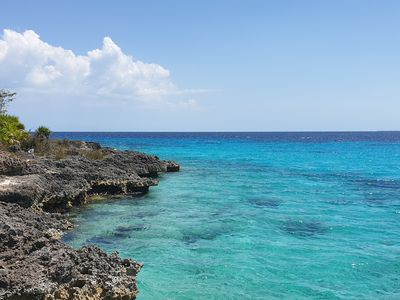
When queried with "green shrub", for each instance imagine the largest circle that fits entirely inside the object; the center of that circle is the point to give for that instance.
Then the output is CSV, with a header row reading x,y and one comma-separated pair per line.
x,y
42,133
12,131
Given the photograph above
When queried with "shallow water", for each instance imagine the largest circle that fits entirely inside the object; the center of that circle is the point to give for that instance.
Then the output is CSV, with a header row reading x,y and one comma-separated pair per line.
x,y
258,216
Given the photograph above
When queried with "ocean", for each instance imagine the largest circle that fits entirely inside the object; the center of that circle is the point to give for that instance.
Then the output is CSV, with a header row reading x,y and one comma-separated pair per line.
x,y
257,216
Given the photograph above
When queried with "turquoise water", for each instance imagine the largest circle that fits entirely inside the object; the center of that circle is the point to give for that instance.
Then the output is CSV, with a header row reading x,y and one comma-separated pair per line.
x,y
258,216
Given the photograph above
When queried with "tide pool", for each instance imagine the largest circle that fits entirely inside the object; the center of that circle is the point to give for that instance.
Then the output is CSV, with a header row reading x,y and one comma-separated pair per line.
x,y
258,216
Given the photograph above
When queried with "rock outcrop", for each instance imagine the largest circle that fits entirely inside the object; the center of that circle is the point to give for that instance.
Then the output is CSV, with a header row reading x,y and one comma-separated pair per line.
x,y
34,262
57,184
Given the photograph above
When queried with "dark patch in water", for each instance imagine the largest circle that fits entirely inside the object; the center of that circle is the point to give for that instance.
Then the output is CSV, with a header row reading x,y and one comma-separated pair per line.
x,y
98,239
376,192
380,192
350,177
194,237
340,201
69,236
382,198
128,229
267,202
120,233
123,229
379,184
190,237
319,176
142,215
302,228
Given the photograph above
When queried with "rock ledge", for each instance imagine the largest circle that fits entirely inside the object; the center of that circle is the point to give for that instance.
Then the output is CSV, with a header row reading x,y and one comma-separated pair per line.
x,y
34,262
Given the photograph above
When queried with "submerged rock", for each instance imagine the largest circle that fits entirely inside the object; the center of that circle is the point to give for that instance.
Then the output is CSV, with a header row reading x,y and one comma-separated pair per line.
x,y
302,228
35,264
265,202
131,228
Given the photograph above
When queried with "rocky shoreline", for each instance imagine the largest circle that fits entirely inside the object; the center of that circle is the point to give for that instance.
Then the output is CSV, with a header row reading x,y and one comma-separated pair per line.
x,y
35,193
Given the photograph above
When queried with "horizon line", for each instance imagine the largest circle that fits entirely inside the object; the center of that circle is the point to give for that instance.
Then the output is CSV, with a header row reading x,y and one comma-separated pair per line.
x,y
250,131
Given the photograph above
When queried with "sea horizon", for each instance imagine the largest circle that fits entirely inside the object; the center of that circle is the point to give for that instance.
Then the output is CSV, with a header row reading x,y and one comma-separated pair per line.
x,y
254,131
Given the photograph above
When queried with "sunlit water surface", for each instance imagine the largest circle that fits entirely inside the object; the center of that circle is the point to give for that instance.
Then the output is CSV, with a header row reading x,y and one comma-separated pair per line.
x,y
258,216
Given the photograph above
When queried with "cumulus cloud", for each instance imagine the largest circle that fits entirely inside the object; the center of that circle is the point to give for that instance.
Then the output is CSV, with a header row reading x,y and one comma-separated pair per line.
x,y
28,62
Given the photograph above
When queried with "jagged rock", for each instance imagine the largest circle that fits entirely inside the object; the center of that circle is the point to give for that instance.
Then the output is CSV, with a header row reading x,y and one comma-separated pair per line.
x,y
172,166
52,184
12,165
35,264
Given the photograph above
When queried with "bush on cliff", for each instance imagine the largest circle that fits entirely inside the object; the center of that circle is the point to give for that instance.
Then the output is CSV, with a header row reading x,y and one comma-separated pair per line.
x,y
60,149
40,141
12,131
42,133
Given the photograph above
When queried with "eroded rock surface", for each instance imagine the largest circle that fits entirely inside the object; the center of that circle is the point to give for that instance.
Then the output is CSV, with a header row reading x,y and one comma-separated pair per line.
x,y
57,184
35,264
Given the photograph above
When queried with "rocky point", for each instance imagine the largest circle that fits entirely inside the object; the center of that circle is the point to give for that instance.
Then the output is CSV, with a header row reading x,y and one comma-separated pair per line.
x,y
34,262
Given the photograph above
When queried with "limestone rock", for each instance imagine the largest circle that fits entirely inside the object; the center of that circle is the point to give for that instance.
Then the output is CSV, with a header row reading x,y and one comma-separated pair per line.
x,y
37,265
51,184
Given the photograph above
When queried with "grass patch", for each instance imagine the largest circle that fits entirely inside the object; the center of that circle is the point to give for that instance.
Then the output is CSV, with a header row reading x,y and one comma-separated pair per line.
x,y
93,154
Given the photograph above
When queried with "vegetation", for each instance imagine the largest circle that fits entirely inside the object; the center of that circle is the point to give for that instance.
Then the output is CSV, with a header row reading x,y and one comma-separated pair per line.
x,y
93,154
5,98
42,133
40,141
60,149
13,136
12,131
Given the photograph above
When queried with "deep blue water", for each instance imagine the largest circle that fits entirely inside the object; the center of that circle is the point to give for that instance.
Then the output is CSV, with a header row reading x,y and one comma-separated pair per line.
x,y
258,216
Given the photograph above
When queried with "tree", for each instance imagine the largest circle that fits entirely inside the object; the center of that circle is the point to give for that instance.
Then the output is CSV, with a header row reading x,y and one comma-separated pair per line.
x,y
5,97
12,131
42,133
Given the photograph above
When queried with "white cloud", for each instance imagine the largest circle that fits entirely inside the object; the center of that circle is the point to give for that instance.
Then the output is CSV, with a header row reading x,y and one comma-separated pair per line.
x,y
28,62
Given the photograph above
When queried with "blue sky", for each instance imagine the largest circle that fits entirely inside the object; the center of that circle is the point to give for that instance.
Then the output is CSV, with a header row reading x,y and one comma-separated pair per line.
x,y
207,65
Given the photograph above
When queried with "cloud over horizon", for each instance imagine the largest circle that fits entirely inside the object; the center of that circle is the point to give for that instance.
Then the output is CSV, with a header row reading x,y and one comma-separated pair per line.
x,y
27,62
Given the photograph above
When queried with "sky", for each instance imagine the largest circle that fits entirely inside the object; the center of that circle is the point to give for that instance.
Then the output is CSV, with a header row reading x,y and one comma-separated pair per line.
x,y
210,65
